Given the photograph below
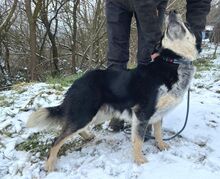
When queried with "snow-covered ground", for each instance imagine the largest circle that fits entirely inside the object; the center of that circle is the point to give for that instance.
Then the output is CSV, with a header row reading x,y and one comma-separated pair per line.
x,y
196,154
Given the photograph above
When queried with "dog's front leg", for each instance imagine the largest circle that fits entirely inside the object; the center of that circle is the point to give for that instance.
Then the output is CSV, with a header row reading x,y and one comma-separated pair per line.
x,y
158,136
139,125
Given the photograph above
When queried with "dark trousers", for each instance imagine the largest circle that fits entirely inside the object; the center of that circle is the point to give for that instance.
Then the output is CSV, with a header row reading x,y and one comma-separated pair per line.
x,y
119,14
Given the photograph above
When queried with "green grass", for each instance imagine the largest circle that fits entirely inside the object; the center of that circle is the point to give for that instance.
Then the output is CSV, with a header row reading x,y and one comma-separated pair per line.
x,y
34,144
197,75
5,101
203,64
63,81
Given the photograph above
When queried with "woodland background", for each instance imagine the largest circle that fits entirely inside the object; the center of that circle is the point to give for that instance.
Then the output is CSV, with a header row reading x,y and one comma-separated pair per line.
x,y
52,38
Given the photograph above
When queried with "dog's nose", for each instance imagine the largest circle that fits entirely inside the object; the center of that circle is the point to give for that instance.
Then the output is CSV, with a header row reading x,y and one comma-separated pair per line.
x,y
172,16
173,12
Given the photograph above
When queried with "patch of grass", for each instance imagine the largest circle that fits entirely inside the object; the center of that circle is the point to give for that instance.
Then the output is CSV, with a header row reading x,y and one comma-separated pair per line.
x,y
218,91
204,64
22,90
197,75
20,87
2,145
34,144
6,131
4,102
62,81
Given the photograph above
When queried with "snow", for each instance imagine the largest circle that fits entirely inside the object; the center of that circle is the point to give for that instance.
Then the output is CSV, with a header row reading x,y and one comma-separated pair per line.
x,y
195,154
209,27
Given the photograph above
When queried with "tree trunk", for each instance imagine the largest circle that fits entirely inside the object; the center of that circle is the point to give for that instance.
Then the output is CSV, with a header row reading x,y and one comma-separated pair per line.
x,y
74,36
7,56
32,20
33,49
52,37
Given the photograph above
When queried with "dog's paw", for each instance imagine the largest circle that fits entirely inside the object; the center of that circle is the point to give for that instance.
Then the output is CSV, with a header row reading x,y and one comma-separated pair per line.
x,y
90,137
50,165
140,160
163,145
86,135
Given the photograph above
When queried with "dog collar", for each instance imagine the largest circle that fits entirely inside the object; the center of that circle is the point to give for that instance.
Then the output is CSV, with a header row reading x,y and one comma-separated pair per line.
x,y
178,61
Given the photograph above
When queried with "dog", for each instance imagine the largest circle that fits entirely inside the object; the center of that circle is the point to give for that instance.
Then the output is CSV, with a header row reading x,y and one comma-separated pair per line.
x,y
143,95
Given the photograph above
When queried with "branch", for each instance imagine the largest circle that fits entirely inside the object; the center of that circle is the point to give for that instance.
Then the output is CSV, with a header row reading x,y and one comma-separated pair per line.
x,y
8,18
37,9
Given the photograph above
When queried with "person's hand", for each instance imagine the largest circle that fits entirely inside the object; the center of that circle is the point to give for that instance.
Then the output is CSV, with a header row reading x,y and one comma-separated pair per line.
x,y
154,55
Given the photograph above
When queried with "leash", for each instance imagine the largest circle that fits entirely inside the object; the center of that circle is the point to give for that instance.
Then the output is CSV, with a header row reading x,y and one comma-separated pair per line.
x,y
147,137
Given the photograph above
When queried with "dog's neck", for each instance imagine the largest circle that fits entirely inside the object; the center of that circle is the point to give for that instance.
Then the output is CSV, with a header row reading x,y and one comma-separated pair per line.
x,y
185,72
185,75
186,49
171,57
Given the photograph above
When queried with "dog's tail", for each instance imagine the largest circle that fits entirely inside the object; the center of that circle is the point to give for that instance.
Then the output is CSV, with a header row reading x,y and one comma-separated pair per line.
x,y
46,118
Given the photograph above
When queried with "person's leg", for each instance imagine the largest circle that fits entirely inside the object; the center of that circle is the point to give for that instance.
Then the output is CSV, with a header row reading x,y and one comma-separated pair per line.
x,y
196,12
118,28
148,25
142,57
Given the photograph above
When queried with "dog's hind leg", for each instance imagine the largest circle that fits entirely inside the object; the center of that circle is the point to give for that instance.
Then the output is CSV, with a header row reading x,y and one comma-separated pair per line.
x,y
67,131
158,136
137,135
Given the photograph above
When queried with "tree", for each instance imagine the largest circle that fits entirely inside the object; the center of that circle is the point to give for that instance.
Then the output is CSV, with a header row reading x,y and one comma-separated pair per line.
x,y
4,27
32,20
50,24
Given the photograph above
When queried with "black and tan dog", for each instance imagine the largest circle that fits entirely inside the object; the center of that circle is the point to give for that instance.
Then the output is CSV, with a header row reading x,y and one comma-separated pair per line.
x,y
144,94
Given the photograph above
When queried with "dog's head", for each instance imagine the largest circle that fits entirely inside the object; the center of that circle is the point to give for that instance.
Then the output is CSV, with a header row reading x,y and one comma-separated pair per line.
x,y
178,37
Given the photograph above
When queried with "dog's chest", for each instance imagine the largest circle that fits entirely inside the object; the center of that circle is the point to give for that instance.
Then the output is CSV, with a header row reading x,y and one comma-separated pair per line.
x,y
167,100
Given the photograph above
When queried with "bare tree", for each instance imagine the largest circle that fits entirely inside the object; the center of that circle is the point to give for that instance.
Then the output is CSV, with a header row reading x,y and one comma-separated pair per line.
x,y
32,20
74,35
50,24
5,25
